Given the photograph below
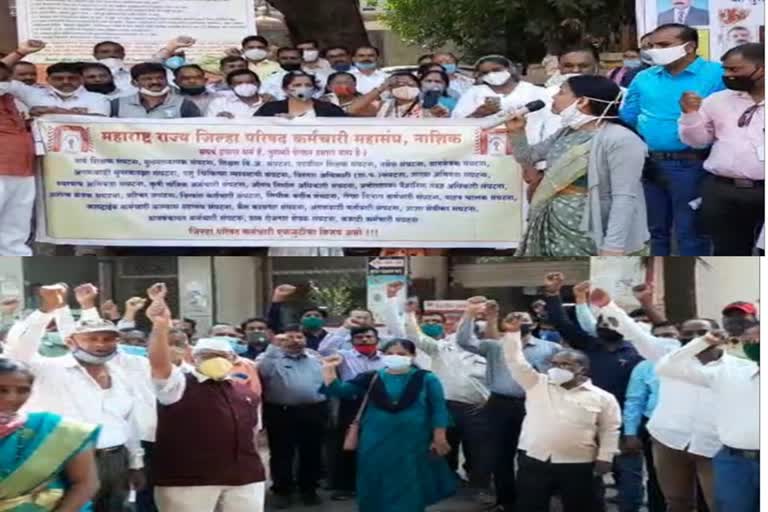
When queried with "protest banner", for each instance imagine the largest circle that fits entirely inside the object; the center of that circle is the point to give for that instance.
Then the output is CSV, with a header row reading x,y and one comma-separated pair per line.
x,y
277,182
71,27
722,24
383,272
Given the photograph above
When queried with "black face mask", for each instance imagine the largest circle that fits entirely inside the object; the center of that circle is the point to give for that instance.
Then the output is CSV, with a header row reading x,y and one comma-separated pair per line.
x,y
291,66
736,325
609,335
192,91
740,83
101,88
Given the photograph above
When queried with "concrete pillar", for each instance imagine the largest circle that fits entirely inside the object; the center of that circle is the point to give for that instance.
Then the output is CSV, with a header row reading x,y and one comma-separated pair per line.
x,y
8,39
196,299
239,284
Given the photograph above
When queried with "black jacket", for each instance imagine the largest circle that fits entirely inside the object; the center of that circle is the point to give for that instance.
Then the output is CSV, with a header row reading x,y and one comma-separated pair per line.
x,y
322,109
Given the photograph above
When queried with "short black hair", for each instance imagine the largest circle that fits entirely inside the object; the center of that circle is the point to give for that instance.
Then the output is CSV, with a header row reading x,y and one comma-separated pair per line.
x,y
104,43
293,328
425,56
331,48
408,345
63,67
583,48
239,72
293,75
230,58
362,330
320,310
188,66
369,47
22,63
284,49
248,39
146,68
98,65
433,313
751,52
357,308
313,42
687,34
8,366
254,319
193,323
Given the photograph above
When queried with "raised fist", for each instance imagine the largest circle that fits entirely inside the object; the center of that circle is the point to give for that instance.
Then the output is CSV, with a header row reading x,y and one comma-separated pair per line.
x,y
600,298
283,292
86,295
690,102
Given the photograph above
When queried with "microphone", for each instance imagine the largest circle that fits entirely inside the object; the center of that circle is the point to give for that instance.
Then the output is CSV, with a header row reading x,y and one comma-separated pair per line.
x,y
528,108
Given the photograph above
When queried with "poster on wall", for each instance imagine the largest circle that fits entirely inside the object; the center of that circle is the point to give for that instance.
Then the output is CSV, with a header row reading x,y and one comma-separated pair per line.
x,y
722,24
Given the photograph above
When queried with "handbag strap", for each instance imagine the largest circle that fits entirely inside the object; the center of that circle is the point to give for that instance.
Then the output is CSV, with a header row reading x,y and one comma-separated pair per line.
x,y
364,404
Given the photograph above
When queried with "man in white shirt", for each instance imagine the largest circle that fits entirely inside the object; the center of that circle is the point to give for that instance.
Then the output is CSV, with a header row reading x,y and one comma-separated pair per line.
x,y
736,412
245,99
112,55
459,83
85,385
97,78
290,60
501,91
367,74
682,427
570,431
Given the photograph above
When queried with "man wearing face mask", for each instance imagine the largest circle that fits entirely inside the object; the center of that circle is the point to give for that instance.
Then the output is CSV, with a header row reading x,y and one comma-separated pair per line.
x,y
570,432
736,317
506,406
255,49
341,338
682,433
223,472
675,165
339,58
630,63
257,336
112,55
459,83
612,360
155,99
366,71
228,65
98,78
736,413
499,90
86,385
312,319
190,80
310,58
295,416
574,61
290,61
733,123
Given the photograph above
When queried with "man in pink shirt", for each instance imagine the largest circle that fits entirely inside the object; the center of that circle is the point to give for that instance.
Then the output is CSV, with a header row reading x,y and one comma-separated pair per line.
x,y
733,121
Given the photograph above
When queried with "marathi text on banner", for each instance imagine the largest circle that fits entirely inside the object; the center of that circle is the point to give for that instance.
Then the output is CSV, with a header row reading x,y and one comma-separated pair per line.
x,y
275,182
71,27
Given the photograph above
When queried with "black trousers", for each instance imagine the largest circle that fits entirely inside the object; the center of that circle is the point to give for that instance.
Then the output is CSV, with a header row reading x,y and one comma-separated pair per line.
x,y
505,415
292,431
114,482
344,474
732,216
145,498
538,482
471,433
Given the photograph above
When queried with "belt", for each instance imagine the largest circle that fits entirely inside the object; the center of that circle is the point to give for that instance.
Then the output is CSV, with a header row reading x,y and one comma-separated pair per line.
x,y
508,397
741,182
111,449
696,156
747,454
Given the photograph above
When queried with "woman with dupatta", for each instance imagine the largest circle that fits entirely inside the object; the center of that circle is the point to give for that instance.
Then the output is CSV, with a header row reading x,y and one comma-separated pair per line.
x,y
46,462
590,200
401,464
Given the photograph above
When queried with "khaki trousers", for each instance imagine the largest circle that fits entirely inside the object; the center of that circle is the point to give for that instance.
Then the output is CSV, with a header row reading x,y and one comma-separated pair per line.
x,y
677,471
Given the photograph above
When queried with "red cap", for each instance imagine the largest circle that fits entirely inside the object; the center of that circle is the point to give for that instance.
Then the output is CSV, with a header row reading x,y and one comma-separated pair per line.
x,y
744,307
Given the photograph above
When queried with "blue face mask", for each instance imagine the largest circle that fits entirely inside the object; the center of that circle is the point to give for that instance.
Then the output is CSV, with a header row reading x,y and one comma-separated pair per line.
x,y
552,336
133,350
175,62
365,66
632,63
239,347
342,67
450,68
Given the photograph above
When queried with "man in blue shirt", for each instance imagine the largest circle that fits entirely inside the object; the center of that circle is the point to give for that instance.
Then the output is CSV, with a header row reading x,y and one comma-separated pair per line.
x,y
675,170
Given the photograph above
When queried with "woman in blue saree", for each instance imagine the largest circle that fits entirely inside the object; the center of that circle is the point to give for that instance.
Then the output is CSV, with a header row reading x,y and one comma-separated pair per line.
x,y
46,462
400,456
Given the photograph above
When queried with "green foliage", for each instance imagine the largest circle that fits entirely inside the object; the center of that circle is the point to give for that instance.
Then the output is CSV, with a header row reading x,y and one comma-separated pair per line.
x,y
335,293
521,29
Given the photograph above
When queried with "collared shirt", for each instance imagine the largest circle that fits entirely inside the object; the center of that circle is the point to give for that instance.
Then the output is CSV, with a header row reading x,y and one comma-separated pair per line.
x,y
273,85
290,379
201,100
577,425
609,369
119,93
540,125
737,152
123,80
682,418
234,105
652,104
642,396
172,107
367,83
537,352
460,84
46,97
356,363
681,15
736,386
17,151
62,386
264,69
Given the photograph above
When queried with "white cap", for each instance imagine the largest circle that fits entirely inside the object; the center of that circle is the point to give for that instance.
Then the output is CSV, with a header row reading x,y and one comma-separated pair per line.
x,y
91,326
216,344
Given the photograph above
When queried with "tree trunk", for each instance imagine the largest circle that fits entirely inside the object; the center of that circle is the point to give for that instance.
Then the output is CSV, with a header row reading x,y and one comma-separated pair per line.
x,y
330,22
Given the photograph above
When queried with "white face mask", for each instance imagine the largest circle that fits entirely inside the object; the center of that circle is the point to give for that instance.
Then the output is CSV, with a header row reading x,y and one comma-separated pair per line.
x,y
574,118
112,63
255,54
405,92
155,94
246,90
559,376
301,93
5,87
664,56
481,325
395,362
310,55
64,94
497,78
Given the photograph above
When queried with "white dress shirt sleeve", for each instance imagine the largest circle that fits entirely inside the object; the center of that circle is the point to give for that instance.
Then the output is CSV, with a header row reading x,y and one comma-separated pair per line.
x,y
171,390
28,95
392,319
683,365
608,429
647,345
467,104
133,443
521,370
23,340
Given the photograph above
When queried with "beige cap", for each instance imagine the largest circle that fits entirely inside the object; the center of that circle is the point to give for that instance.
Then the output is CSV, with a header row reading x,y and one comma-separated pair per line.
x,y
91,326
